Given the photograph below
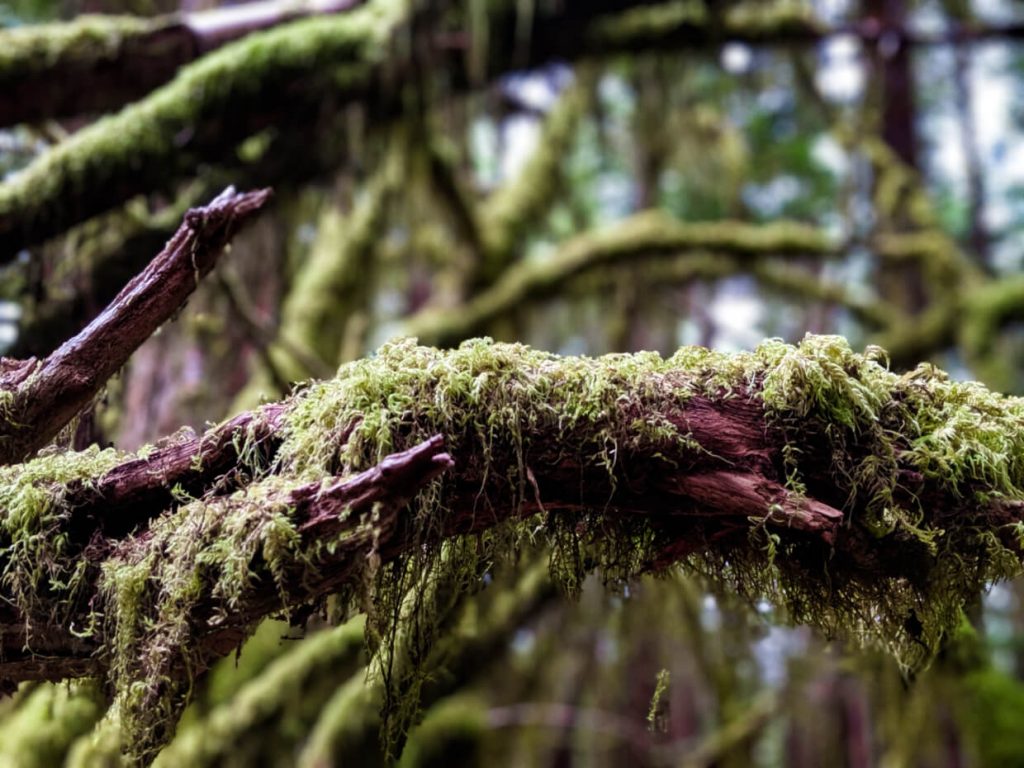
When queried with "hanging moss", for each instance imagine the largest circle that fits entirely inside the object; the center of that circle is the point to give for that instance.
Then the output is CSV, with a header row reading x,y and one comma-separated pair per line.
x,y
38,568
203,550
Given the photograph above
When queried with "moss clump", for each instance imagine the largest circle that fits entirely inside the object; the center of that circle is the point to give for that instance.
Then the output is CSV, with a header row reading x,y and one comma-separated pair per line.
x,y
962,443
39,568
202,554
849,425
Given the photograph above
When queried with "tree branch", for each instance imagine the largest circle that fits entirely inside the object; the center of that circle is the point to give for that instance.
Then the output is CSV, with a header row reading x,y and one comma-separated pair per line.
x,y
97,63
646,235
40,398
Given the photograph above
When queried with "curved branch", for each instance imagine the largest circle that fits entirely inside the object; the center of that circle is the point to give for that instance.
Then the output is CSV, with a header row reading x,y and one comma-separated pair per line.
x,y
643,236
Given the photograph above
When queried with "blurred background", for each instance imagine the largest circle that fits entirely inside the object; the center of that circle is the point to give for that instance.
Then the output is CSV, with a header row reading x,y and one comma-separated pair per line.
x,y
785,167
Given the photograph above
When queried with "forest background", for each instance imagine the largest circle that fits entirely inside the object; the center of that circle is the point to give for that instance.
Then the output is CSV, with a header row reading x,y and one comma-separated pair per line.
x,y
582,177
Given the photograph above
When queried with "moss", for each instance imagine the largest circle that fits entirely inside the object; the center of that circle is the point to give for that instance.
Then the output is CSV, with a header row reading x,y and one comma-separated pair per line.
x,y
848,430
38,48
204,550
645,235
452,733
651,22
753,20
332,283
39,569
493,401
144,140
44,726
101,748
282,698
986,311
510,211
745,20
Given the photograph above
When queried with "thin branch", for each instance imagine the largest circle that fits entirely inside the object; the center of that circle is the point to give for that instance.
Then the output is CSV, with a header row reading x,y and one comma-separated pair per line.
x,y
42,397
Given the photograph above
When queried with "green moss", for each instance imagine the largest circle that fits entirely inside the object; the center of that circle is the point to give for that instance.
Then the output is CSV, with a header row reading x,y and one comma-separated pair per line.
x,y
987,310
44,726
452,733
847,431
36,49
38,568
746,20
203,551
100,748
282,698
650,22
513,208
143,141
332,283
753,20
493,401
647,235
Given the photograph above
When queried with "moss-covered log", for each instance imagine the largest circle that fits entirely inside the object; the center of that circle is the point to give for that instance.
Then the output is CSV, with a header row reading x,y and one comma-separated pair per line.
x,y
862,501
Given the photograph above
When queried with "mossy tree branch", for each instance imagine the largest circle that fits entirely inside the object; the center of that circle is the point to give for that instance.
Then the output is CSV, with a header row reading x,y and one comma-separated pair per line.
x,y
287,77
644,236
861,501
280,77
97,63
40,397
